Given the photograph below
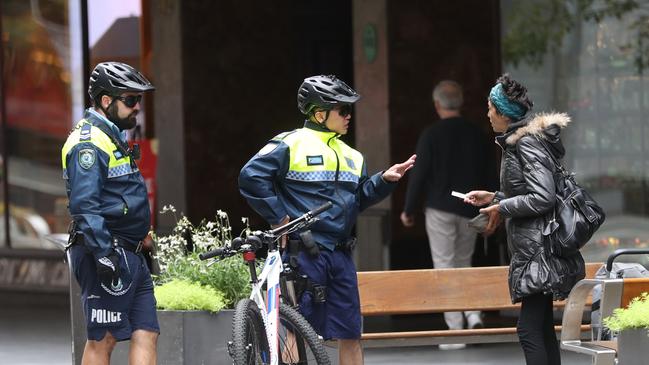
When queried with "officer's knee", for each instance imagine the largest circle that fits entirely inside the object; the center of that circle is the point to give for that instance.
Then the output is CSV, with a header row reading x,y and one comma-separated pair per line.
x,y
105,345
144,338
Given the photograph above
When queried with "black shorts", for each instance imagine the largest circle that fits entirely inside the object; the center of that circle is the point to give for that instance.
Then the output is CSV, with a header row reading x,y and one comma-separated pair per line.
x,y
120,309
339,317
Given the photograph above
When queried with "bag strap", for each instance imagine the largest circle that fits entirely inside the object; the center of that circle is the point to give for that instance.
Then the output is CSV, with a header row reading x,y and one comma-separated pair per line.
x,y
552,223
557,164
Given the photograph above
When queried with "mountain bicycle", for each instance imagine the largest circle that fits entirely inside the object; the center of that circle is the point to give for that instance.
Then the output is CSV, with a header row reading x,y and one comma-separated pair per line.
x,y
266,328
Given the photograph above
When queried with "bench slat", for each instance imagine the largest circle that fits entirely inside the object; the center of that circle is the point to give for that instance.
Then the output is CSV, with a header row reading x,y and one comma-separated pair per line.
x,y
438,290
633,287
450,333
434,290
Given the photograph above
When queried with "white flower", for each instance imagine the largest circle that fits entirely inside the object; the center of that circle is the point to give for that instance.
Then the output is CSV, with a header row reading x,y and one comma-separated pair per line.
x,y
168,208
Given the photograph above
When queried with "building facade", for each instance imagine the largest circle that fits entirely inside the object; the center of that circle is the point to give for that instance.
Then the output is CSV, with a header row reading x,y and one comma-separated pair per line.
x,y
227,72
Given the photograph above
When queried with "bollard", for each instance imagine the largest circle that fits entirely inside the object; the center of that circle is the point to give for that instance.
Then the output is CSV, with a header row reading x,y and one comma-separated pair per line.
x,y
77,320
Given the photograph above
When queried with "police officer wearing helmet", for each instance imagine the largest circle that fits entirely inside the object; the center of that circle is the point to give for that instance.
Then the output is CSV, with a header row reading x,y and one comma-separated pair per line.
x,y
110,211
302,169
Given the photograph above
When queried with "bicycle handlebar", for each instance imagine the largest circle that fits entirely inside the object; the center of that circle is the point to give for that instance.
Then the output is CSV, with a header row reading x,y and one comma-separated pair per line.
x,y
220,251
320,209
255,241
304,217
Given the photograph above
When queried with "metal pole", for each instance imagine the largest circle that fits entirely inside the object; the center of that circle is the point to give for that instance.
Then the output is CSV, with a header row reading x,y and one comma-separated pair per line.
x,y
3,128
85,48
79,11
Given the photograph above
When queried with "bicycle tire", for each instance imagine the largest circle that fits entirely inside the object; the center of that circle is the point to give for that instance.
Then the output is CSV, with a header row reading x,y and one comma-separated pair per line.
x,y
310,347
249,345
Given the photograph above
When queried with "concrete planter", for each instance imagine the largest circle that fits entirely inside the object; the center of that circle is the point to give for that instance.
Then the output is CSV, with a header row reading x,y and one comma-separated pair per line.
x,y
632,347
188,338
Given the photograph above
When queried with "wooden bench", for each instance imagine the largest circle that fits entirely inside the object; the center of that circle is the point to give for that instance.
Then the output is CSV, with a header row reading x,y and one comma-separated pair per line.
x,y
616,293
440,290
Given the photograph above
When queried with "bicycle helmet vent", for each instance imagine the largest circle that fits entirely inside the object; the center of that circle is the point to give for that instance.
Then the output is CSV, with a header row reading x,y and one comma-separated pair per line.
x,y
324,92
115,78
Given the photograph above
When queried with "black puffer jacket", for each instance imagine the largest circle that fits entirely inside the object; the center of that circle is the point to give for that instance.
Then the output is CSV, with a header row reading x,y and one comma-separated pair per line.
x,y
527,181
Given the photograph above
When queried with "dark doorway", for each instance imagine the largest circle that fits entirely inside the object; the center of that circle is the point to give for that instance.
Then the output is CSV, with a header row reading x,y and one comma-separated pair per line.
x,y
430,42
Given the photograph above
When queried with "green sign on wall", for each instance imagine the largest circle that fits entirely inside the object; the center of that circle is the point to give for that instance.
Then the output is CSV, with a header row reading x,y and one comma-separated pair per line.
x,y
370,41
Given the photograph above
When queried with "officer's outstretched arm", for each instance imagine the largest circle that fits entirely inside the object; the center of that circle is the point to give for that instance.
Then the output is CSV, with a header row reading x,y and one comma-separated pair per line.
x,y
258,179
87,169
373,189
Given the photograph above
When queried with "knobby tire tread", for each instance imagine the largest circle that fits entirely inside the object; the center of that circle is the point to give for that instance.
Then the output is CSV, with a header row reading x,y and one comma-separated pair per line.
x,y
246,319
292,316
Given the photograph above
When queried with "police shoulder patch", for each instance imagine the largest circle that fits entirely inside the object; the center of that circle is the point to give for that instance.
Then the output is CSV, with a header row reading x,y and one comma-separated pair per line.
x,y
87,158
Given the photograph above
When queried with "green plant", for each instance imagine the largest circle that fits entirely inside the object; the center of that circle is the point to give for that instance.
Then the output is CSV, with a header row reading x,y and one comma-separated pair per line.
x,y
635,315
176,255
184,295
538,27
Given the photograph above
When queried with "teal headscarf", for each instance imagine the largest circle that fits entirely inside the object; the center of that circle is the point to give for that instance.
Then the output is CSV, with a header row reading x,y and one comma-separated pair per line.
x,y
505,106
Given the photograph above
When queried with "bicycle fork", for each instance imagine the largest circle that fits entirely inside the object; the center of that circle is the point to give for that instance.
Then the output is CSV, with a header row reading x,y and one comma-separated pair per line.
x,y
269,306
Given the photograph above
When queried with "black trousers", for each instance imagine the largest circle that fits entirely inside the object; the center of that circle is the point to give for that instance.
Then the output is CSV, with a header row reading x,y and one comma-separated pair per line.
x,y
536,331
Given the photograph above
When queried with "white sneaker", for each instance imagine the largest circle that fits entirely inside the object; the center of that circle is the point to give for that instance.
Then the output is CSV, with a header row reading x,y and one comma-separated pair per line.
x,y
474,321
452,346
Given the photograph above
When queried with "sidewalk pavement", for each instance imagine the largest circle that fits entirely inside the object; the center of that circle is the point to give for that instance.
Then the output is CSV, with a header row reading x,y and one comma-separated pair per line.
x,y
35,330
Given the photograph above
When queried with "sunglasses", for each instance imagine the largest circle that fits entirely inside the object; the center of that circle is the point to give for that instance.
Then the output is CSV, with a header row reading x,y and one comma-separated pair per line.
x,y
130,101
344,110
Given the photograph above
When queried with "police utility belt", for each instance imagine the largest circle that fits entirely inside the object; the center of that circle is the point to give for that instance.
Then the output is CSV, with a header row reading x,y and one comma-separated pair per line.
x,y
77,238
309,245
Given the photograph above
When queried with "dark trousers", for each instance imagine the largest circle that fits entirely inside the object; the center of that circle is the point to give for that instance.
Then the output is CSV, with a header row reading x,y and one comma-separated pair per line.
x,y
536,331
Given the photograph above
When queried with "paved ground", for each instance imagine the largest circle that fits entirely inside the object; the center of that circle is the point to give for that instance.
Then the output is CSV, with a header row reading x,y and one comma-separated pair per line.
x,y
34,330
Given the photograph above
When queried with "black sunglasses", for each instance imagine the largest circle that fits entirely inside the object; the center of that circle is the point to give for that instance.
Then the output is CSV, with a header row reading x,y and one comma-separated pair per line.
x,y
344,110
130,101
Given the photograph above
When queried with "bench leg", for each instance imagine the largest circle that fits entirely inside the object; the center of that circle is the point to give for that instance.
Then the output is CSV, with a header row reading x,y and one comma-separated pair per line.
x,y
604,359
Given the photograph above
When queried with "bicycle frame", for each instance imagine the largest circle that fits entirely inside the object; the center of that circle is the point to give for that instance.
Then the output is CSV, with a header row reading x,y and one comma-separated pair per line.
x,y
269,303
267,300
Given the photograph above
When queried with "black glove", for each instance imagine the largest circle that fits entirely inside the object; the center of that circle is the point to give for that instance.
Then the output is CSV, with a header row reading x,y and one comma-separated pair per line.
x,y
108,268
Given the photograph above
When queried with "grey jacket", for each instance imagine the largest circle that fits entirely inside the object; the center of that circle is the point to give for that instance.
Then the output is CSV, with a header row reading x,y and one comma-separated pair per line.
x,y
527,181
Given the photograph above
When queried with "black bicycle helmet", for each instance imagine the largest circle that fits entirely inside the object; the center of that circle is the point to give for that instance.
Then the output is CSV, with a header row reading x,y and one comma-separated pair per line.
x,y
324,92
115,78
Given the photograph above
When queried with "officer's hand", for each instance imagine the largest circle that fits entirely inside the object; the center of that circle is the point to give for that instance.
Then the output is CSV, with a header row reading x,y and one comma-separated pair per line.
x,y
283,222
108,268
396,172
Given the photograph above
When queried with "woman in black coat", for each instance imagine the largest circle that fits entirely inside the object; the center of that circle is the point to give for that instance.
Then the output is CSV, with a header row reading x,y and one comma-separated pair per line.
x,y
527,183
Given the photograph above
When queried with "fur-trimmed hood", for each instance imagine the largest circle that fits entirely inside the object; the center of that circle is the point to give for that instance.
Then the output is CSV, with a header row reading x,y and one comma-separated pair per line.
x,y
538,125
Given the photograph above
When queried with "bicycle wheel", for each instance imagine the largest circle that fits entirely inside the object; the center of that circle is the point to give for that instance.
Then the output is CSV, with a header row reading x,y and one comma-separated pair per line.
x,y
298,342
249,345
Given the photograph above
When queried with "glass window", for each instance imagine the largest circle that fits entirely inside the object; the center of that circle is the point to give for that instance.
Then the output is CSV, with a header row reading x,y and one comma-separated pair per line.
x,y
114,35
41,68
593,75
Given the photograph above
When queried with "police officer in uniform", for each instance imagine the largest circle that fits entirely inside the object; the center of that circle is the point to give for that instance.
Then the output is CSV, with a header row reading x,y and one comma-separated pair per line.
x,y
303,169
111,217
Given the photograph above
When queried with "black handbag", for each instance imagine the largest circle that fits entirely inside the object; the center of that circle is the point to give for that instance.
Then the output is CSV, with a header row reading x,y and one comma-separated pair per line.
x,y
576,215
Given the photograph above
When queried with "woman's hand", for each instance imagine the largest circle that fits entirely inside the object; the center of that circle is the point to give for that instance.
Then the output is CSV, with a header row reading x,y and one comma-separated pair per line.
x,y
479,197
494,219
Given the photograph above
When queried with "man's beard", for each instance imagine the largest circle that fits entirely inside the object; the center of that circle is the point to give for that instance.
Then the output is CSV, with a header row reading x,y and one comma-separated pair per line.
x,y
123,124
